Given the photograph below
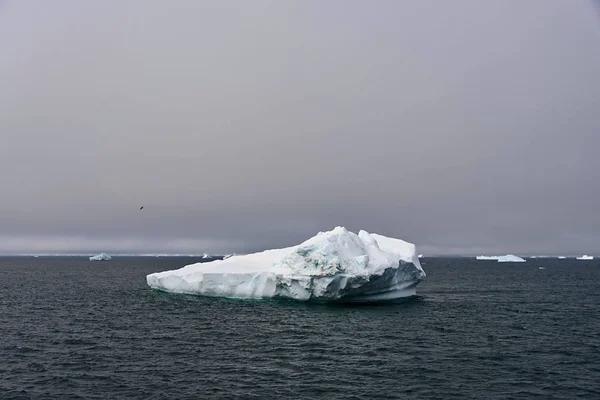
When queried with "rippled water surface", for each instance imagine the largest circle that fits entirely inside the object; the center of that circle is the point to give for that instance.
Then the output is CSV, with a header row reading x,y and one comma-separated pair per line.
x,y
70,328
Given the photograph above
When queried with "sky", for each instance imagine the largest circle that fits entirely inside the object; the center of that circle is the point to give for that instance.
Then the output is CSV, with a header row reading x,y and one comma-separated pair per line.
x,y
465,127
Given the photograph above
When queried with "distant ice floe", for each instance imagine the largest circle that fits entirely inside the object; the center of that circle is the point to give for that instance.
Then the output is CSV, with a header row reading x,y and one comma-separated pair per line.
x,y
506,258
561,257
334,266
487,257
510,258
585,257
100,257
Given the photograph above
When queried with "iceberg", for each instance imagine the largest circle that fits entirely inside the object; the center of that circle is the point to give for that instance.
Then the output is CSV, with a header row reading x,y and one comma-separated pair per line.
x,y
561,257
333,266
205,256
510,258
487,257
585,257
100,257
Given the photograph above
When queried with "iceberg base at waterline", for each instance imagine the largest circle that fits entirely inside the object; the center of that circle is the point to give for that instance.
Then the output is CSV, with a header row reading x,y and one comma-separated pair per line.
x,y
334,266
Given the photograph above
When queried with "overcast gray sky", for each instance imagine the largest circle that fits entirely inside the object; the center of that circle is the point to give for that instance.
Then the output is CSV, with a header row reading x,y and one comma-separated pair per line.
x,y
465,127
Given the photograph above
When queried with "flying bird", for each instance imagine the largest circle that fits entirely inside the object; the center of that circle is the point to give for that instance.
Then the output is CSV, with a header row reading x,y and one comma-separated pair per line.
x,y
142,207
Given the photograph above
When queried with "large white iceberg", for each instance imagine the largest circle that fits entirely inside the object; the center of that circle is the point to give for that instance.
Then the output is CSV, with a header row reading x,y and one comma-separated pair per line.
x,y
100,257
510,258
333,266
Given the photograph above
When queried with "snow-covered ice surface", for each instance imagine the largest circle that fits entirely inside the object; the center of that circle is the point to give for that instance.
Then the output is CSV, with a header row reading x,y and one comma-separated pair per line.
x,y
332,266
100,257
510,258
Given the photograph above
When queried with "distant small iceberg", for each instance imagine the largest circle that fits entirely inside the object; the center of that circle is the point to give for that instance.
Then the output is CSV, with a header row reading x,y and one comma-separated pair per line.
x,y
420,256
561,257
585,257
506,258
204,256
100,257
487,258
541,267
510,258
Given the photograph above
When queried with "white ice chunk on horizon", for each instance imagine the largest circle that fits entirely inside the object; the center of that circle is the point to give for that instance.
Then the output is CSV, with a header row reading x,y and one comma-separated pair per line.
x,y
100,257
487,257
585,257
510,258
332,266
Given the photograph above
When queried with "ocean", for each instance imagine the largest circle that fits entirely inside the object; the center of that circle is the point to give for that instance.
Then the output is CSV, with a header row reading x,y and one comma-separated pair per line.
x,y
75,329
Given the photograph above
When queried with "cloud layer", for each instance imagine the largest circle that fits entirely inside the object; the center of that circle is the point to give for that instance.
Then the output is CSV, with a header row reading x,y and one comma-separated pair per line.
x,y
463,127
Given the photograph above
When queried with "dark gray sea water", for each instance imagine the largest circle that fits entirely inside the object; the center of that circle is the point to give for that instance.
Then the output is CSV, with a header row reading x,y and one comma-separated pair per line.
x,y
74,329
